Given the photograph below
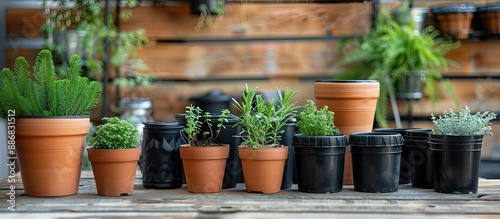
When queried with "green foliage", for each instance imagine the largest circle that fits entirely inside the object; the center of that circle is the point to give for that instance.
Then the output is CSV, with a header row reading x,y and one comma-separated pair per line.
x,y
463,123
391,51
262,123
89,16
316,122
44,94
195,119
115,134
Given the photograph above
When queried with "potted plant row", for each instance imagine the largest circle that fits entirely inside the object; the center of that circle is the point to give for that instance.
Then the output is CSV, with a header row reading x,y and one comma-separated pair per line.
x,y
52,118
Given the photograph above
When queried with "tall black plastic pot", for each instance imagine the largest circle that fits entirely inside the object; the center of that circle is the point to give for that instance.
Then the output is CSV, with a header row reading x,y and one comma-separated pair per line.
x,y
405,169
287,140
161,162
420,158
456,162
376,158
233,173
320,162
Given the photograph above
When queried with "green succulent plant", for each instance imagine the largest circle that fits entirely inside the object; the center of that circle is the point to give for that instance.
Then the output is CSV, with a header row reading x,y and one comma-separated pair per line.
x,y
262,123
43,93
463,123
195,119
114,134
316,122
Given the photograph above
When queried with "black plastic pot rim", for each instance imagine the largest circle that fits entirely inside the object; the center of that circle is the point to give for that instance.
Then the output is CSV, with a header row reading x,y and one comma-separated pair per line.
x,y
162,125
457,150
319,141
376,153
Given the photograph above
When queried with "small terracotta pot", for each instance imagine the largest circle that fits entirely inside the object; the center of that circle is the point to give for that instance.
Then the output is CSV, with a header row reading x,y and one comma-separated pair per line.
x,y
263,168
354,103
49,151
114,170
454,20
204,167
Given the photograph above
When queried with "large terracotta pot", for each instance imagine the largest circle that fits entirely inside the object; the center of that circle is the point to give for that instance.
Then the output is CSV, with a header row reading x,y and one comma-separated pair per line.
x,y
263,168
49,151
204,167
354,103
114,170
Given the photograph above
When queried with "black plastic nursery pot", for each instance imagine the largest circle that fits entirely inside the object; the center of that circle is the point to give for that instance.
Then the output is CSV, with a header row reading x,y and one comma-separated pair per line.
x,y
287,139
456,161
405,169
376,158
320,163
420,158
233,173
161,162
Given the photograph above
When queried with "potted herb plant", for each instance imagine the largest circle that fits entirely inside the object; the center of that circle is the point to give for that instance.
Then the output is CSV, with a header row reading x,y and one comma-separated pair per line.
x,y
456,145
262,156
319,151
52,118
204,161
403,60
114,154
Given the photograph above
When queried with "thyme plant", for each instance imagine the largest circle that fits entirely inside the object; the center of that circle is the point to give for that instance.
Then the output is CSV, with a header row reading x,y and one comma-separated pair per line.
x,y
195,119
463,123
316,122
262,123
115,134
42,93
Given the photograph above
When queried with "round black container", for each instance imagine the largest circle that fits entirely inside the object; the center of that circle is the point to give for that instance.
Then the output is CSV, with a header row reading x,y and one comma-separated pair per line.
x,y
233,173
420,158
376,158
456,162
214,101
405,169
161,161
320,163
287,140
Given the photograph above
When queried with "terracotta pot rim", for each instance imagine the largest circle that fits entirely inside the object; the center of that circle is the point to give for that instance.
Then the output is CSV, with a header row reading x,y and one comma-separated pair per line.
x,y
53,117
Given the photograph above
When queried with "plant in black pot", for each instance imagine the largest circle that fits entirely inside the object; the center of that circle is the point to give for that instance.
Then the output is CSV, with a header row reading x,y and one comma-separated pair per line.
x,y
456,147
203,160
319,151
404,61
113,153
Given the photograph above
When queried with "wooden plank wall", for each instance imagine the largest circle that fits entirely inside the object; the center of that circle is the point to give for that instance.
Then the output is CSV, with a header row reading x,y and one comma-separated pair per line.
x,y
187,64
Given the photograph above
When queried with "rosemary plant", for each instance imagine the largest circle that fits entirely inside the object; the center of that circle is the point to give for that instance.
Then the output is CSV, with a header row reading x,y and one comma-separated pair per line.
x,y
262,123
115,134
195,119
463,123
316,122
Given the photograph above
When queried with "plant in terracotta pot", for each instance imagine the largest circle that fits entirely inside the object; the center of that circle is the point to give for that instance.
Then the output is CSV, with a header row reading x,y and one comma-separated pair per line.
x,y
114,154
50,117
319,151
456,149
404,61
262,156
204,161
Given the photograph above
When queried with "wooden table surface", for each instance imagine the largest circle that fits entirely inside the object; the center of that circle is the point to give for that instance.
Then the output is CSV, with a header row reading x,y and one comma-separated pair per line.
x,y
407,202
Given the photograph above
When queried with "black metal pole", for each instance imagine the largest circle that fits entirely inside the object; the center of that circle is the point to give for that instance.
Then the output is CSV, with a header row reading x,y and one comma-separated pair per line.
x,y
105,77
376,9
117,69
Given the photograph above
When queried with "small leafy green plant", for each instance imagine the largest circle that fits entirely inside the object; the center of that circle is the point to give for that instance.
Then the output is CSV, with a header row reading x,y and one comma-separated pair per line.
x,y
195,119
115,134
463,123
42,93
316,122
262,123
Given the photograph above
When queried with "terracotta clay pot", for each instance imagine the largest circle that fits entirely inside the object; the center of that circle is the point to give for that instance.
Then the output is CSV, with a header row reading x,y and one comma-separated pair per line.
x,y
49,151
354,103
263,168
204,167
454,20
114,170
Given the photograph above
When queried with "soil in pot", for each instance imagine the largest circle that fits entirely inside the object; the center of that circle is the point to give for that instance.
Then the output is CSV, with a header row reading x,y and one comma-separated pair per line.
x,y
376,157
320,163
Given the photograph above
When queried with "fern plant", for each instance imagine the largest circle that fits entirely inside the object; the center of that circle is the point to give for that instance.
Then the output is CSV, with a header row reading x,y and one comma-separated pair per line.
x,y
195,119
316,122
391,50
262,123
42,93
114,134
463,123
